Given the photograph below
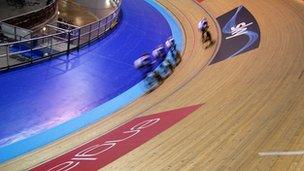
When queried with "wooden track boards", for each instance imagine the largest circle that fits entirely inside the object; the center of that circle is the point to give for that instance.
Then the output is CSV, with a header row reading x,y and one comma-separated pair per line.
x,y
253,102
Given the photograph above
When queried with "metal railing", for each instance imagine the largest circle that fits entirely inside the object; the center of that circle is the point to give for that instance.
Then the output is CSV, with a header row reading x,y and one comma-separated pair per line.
x,y
29,51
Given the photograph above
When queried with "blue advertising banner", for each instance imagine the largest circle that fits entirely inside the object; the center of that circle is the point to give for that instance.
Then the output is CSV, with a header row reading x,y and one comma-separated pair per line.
x,y
240,33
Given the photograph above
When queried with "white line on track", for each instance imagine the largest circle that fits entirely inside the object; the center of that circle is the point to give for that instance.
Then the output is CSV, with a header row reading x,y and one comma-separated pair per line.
x,y
282,153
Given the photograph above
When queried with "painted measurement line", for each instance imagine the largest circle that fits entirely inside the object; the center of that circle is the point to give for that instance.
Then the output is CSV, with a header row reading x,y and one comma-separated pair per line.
x,y
282,153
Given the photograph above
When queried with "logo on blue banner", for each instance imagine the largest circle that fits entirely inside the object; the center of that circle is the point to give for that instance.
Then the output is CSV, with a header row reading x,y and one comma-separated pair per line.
x,y
240,33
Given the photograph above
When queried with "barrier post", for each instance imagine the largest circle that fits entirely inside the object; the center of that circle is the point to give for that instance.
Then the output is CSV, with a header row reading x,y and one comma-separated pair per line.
x,y
98,32
31,52
69,42
15,32
90,33
7,56
78,39
51,47
106,26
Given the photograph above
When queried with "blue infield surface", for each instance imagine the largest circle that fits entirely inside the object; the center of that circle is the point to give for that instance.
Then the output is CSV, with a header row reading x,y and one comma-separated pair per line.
x,y
62,95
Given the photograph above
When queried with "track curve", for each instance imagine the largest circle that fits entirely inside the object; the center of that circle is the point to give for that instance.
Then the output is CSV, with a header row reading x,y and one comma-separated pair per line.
x,y
253,103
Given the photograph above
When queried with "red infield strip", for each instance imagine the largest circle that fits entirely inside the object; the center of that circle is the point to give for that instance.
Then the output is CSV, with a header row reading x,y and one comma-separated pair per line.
x,y
199,1
109,147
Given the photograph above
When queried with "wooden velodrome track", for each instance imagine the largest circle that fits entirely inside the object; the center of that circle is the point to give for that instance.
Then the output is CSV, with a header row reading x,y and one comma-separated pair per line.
x,y
252,103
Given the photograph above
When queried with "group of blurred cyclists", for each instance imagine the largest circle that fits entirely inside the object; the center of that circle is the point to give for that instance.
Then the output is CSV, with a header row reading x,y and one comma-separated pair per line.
x,y
168,56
